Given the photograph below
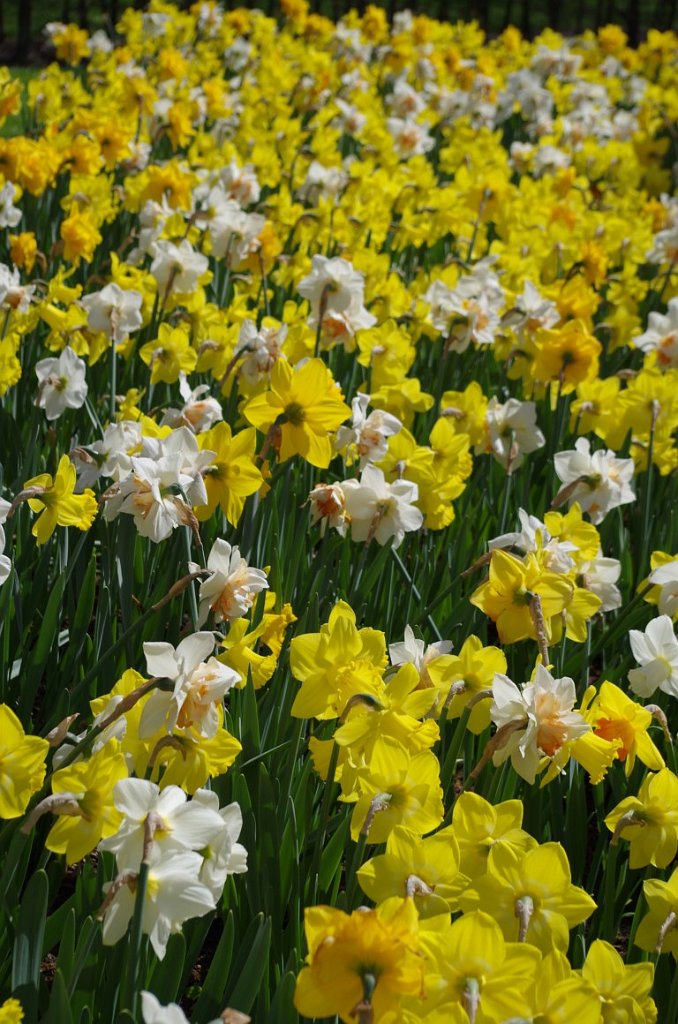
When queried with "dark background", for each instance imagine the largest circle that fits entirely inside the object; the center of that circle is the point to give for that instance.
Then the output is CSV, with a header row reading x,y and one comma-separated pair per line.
x,y
21,21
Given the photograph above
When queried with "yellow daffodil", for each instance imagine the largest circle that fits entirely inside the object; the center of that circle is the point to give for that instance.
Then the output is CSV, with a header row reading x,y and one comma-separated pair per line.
x,y
57,503
22,764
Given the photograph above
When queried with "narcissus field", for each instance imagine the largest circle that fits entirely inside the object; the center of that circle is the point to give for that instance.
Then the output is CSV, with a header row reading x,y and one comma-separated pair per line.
x,y
339,544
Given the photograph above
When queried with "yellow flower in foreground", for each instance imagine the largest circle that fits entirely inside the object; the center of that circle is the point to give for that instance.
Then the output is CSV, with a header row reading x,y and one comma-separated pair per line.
x,y
22,765
617,718
11,1012
657,930
623,989
506,595
649,821
305,406
57,502
370,951
91,782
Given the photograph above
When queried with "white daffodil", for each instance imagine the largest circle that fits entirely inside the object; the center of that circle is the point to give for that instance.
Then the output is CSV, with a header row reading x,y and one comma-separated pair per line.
x,y
511,432
233,585
199,411
666,578
544,706
175,822
599,481
110,457
661,336
154,1013
534,536
379,509
5,563
114,311
223,855
417,652
328,506
367,436
656,651
199,686
10,215
148,493
336,293
600,576
61,383
258,349
173,894
177,268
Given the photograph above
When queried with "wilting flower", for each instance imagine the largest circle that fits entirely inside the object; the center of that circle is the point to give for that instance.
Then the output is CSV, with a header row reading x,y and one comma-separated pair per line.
x,y
328,506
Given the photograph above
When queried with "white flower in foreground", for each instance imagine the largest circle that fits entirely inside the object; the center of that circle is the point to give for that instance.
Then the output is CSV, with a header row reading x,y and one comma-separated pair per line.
x,y
412,651
199,686
600,576
154,1013
231,589
180,451
177,268
328,505
656,651
110,457
198,412
545,707
666,578
599,481
174,894
114,311
176,822
61,383
147,494
5,563
534,536
379,509
661,336
224,855
511,432
367,435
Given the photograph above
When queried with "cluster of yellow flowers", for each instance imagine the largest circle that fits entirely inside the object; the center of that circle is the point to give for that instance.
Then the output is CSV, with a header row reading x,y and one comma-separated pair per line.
x,y
228,238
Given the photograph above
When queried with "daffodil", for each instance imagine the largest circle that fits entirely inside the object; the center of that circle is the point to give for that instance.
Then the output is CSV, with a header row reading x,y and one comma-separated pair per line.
x,y
623,989
232,475
507,594
300,411
649,821
55,499
480,825
93,815
531,895
336,664
22,764
374,951
624,722
426,870
657,932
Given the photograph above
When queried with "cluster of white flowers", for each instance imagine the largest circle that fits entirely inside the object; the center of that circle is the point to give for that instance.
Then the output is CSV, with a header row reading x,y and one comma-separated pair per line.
x,y
163,482
190,849
336,293
469,312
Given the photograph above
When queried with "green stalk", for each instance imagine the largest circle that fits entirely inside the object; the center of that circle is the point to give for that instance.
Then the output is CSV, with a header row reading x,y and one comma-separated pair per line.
x,y
131,982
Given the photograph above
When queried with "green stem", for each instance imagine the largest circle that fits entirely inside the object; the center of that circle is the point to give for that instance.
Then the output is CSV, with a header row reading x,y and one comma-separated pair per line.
x,y
130,993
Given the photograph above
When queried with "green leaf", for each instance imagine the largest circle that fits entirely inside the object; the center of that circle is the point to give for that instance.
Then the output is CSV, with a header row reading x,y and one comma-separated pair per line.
x,y
59,1011
211,1001
47,637
282,1006
30,930
14,869
249,980
167,975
